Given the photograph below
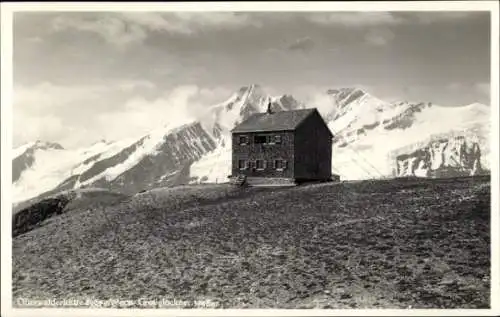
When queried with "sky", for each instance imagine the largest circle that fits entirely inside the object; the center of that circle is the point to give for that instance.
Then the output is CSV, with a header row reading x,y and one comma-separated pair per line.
x,y
84,76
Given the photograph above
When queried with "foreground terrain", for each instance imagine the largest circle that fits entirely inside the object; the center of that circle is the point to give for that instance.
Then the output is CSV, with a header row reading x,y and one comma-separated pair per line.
x,y
370,244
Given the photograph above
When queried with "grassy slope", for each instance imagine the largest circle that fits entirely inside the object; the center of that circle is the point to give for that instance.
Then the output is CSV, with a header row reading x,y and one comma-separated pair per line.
x,y
370,244
38,212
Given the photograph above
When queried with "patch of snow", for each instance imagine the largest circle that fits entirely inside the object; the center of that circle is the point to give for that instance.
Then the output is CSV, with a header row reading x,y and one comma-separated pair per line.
x,y
215,166
21,149
149,146
50,168
355,161
104,151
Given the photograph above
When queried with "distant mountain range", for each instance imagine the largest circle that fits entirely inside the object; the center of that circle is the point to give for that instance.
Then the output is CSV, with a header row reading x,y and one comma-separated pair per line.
x,y
373,139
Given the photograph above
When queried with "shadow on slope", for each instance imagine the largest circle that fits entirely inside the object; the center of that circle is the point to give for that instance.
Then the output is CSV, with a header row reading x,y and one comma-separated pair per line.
x,y
32,214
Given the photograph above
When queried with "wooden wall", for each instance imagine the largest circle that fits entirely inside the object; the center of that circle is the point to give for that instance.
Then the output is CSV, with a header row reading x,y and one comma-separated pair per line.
x,y
267,152
313,149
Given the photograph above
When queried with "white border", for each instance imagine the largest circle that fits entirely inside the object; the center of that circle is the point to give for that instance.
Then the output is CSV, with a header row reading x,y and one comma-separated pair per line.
x,y
257,6
7,10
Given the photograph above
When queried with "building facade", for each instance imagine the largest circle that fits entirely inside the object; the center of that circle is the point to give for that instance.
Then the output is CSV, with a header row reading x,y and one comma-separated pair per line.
x,y
294,145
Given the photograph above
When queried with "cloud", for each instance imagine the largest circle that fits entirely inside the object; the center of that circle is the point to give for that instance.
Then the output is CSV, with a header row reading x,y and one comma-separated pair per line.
x,y
379,18
431,17
127,28
79,115
27,127
47,97
454,86
113,29
354,19
34,40
483,88
302,44
315,96
62,113
196,21
127,85
379,37
322,102
182,104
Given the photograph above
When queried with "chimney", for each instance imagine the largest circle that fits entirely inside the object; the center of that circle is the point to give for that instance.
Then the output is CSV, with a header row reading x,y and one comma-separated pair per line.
x,y
269,111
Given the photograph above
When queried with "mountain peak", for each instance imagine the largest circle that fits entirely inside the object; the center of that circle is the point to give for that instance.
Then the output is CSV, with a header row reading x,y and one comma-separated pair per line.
x,y
346,91
38,144
101,141
349,96
252,89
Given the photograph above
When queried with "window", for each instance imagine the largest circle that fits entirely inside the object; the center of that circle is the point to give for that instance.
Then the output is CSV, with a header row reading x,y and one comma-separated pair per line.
x,y
280,164
243,140
267,139
260,139
260,164
251,164
242,164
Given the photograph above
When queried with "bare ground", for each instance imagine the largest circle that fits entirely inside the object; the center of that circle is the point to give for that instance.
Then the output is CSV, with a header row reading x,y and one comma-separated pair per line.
x,y
373,244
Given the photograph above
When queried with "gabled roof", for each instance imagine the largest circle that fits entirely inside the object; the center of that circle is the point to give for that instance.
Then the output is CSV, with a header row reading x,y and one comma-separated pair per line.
x,y
276,121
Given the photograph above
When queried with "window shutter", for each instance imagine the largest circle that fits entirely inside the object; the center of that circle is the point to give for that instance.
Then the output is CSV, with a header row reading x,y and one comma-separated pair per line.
x,y
247,164
285,164
265,164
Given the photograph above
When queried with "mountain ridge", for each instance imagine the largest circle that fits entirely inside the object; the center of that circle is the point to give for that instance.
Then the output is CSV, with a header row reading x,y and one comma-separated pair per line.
x,y
201,151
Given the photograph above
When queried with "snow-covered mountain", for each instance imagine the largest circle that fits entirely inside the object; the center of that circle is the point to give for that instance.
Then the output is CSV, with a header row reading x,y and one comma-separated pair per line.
x,y
24,156
373,138
369,132
216,165
160,158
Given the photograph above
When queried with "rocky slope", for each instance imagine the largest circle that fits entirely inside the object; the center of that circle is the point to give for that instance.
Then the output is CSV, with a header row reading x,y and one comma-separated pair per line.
x,y
441,156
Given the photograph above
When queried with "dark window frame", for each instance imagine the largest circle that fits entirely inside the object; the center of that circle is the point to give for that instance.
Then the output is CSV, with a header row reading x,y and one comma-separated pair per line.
x,y
283,164
263,165
241,138
268,139
260,139
245,165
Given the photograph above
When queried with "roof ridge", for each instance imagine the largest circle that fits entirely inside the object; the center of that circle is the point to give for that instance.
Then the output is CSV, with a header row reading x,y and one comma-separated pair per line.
x,y
277,121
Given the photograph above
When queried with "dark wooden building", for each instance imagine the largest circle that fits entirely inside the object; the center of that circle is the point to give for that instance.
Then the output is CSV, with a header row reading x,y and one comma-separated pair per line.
x,y
282,147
